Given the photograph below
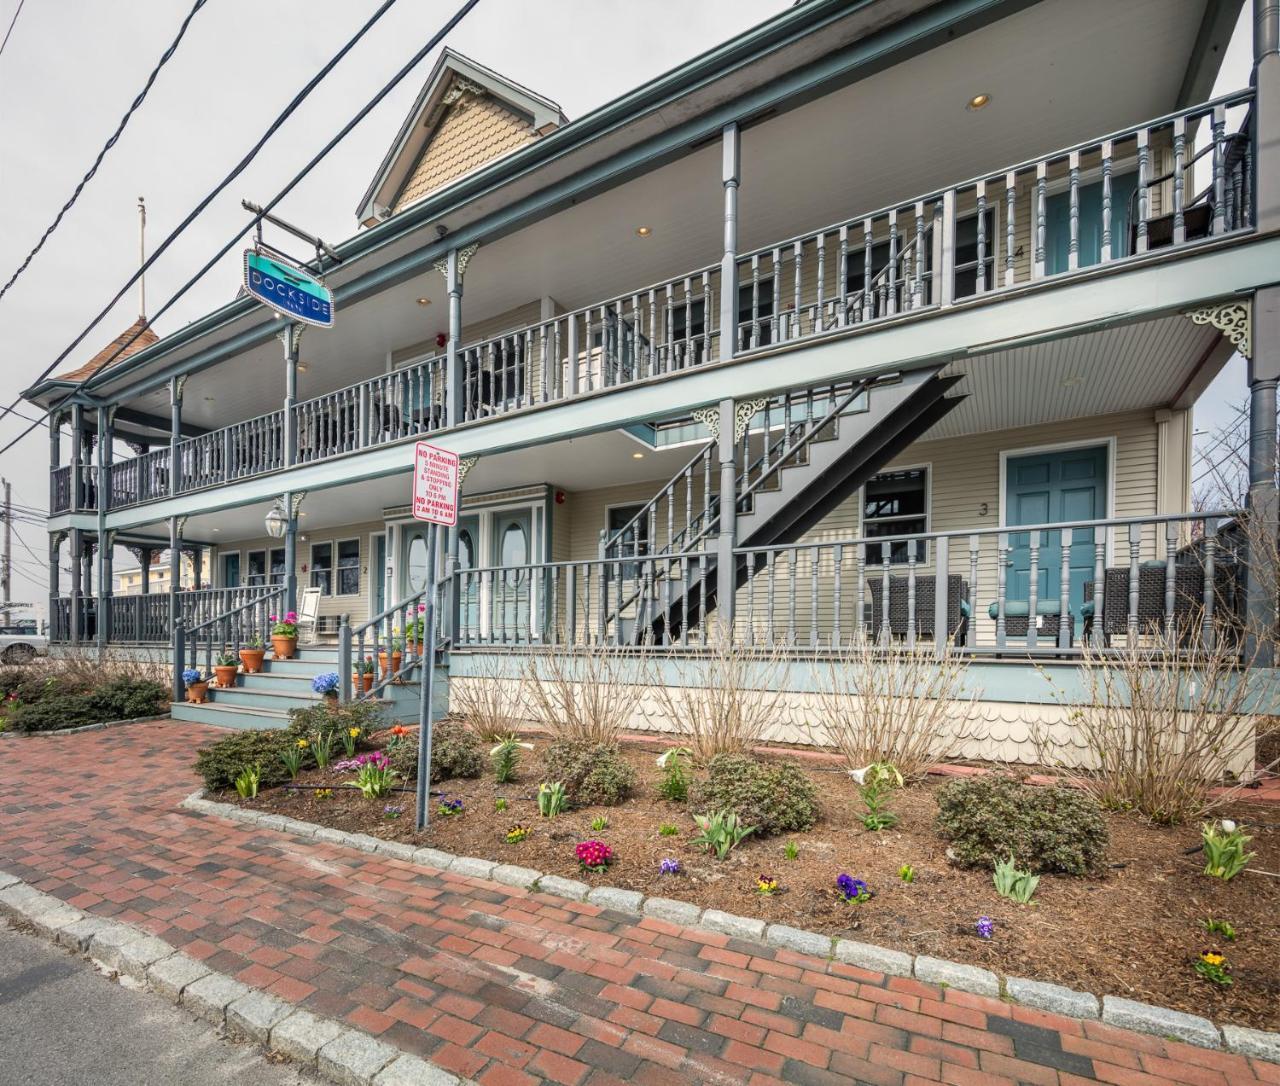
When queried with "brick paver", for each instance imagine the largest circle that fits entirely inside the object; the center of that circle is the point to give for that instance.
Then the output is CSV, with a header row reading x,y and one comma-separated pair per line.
x,y
502,985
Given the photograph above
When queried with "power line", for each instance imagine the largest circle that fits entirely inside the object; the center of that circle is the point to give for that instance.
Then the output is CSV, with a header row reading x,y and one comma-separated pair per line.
x,y
11,23
297,179
137,102
240,167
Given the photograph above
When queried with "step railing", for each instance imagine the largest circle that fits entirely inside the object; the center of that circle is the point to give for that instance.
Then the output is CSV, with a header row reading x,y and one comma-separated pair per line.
x,y
1174,181
398,631
247,624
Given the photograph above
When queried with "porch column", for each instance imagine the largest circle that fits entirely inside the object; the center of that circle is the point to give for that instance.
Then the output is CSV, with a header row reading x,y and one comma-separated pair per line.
x,y
197,566
55,571
291,552
104,543
1266,81
1264,505
74,547
77,441
144,563
730,168
290,337
726,566
454,409
55,453
175,572
175,432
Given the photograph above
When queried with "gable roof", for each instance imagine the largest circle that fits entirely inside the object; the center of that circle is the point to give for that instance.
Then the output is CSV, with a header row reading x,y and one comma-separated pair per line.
x,y
452,77
138,335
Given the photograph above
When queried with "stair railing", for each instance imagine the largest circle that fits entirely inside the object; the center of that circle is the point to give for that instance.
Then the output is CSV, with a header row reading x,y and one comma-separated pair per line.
x,y
229,631
399,628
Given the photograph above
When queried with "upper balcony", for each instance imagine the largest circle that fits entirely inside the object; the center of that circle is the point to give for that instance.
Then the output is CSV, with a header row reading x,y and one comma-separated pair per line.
x,y
928,207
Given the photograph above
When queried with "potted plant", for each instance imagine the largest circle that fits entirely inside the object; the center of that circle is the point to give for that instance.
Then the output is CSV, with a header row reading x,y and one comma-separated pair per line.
x,y
362,674
389,661
225,667
252,655
413,630
326,686
284,636
197,685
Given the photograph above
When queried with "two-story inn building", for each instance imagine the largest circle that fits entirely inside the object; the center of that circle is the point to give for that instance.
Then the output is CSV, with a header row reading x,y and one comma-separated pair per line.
x,y
884,315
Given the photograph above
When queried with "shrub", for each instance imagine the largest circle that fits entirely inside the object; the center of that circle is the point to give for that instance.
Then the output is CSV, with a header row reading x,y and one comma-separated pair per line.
x,y
592,773
455,752
990,818
585,696
323,718
220,763
774,797
125,699
50,714
46,704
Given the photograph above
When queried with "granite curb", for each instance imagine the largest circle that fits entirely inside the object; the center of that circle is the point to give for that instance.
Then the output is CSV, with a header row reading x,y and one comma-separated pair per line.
x,y
1124,1013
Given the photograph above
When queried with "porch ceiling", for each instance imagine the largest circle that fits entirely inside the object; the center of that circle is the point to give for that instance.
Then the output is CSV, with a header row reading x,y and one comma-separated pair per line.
x,y
1056,73
1124,368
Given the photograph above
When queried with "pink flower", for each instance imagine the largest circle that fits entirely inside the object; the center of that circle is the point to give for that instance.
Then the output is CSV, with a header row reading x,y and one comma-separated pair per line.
x,y
272,617
594,855
422,608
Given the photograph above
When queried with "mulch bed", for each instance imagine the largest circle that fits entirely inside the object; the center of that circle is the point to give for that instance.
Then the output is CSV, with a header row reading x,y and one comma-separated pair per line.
x,y
1134,932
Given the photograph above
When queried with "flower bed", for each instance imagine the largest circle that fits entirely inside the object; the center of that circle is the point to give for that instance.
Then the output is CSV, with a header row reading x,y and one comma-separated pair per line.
x,y
1137,929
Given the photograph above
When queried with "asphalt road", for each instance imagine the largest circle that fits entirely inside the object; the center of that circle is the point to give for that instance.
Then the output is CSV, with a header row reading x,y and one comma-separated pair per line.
x,y
62,1024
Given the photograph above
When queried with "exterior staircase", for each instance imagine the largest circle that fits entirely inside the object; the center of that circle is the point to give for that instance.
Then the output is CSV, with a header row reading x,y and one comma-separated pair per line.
x,y
788,484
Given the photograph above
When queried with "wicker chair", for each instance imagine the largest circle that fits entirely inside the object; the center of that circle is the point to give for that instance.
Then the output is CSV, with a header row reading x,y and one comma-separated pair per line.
x,y
1188,598
957,618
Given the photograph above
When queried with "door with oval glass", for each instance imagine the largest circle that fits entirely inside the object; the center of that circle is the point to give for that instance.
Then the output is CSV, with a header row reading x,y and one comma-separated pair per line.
x,y
512,586
468,580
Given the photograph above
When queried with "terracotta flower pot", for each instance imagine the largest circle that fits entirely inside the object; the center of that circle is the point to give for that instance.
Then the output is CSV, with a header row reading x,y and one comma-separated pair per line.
x,y
252,660
384,663
197,692
412,646
283,648
396,659
331,700
226,674
362,680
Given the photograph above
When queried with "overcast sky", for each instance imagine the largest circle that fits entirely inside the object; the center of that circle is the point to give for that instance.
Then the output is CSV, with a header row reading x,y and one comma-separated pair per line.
x,y
72,67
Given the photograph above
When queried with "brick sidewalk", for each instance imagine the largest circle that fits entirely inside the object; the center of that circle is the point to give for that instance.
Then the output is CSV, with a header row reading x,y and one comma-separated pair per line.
x,y
505,986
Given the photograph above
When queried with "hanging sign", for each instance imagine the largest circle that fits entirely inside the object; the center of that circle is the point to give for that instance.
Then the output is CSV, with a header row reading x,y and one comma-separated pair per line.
x,y
435,485
289,290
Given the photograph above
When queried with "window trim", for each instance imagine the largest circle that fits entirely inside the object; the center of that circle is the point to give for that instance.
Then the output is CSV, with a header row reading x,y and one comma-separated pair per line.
x,y
925,466
312,569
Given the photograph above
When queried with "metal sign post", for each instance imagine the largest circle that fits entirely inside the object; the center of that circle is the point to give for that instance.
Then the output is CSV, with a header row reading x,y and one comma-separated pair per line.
x,y
435,500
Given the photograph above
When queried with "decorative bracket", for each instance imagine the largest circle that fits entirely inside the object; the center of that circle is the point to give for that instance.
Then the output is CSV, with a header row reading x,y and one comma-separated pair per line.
x,y
1234,319
182,526
56,540
458,88
291,336
179,383
743,413
464,258
710,418
465,464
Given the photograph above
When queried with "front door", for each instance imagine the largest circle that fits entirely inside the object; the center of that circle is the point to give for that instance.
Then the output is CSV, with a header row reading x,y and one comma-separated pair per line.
x,y
1050,488
414,574
512,543
378,574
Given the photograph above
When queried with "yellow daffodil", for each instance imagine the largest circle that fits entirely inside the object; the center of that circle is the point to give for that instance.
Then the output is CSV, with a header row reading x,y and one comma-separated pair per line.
x,y
303,744
1210,958
353,732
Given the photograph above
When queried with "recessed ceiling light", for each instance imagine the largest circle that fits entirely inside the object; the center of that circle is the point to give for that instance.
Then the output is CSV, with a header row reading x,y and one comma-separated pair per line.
x,y
643,231
637,456
424,301
1074,379
217,529
978,101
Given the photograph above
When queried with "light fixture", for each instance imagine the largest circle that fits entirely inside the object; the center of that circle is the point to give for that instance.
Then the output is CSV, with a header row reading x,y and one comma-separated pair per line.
x,y
977,102
217,529
424,301
302,367
643,231
637,456
1072,381
276,522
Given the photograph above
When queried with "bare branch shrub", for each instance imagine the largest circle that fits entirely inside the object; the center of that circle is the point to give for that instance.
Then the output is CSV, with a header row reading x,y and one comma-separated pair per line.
x,y
488,703
904,706
83,668
729,698
585,694
1157,733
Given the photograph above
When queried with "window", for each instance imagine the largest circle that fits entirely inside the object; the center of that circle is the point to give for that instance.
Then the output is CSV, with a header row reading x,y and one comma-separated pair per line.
x,y
967,254
634,542
896,503
348,567
322,567
257,568
856,262
277,565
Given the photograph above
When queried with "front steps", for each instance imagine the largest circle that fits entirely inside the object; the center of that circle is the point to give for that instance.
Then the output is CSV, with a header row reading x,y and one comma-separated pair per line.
x,y
263,700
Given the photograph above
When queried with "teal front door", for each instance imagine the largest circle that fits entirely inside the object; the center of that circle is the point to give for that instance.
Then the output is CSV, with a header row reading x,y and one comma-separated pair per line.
x,y
1058,223
512,587
468,581
1050,488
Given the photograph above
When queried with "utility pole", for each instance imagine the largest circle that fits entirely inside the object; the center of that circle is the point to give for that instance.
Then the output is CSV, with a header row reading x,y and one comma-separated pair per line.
x,y
6,576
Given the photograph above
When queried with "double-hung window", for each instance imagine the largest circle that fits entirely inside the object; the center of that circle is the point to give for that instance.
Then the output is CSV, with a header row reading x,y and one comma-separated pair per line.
x,y
277,565
322,568
348,583
896,503
257,561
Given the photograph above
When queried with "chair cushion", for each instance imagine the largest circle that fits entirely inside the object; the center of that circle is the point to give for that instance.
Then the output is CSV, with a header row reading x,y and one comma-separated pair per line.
x,y
1021,608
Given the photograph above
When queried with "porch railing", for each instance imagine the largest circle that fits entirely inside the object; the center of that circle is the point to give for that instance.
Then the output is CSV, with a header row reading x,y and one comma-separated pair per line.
x,y
141,478
1168,183
144,617
990,591
60,489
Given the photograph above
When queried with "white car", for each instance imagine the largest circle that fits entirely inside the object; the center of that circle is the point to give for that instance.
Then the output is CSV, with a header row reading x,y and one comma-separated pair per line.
x,y
18,646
